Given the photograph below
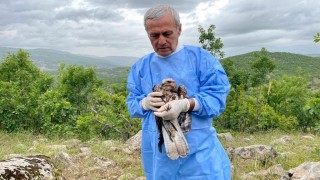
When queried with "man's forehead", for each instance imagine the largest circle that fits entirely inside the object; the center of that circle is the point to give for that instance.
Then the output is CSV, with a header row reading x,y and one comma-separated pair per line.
x,y
160,32
166,20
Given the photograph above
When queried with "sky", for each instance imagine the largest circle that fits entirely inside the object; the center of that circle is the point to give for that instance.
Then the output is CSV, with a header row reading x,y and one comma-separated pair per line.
x,y
115,27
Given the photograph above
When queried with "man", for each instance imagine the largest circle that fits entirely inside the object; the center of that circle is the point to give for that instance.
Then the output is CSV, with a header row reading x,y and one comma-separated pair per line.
x,y
207,86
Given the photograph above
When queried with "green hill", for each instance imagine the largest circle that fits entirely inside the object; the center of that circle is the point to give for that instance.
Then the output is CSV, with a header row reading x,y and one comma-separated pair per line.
x,y
115,68
49,60
287,63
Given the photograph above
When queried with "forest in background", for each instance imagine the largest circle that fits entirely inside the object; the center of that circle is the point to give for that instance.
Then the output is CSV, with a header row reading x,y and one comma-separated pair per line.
x,y
269,91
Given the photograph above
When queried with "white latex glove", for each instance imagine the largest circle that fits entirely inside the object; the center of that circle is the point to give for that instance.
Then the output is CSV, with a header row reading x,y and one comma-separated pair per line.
x,y
172,109
152,101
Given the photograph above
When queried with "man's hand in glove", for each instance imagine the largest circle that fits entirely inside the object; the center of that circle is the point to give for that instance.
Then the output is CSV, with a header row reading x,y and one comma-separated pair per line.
x,y
152,102
172,109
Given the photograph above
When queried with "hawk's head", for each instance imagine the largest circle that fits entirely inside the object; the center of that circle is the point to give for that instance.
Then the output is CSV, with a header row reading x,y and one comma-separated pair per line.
x,y
169,85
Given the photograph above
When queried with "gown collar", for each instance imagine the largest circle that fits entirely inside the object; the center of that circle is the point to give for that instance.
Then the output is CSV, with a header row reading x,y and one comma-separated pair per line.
x,y
179,47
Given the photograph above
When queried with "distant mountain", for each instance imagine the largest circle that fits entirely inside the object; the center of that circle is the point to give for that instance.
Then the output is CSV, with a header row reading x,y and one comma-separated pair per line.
x,y
49,60
117,66
287,63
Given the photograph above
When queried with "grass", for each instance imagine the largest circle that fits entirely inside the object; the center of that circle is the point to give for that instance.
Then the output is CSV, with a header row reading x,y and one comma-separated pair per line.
x,y
298,150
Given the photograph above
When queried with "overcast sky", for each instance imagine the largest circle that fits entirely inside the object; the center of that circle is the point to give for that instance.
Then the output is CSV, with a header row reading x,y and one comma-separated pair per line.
x,y
115,27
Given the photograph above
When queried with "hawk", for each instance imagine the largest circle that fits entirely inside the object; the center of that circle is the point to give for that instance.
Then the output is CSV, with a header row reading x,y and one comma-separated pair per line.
x,y
171,132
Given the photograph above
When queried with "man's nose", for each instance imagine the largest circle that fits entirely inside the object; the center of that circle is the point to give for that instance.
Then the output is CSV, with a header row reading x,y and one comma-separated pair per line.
x,y
162,40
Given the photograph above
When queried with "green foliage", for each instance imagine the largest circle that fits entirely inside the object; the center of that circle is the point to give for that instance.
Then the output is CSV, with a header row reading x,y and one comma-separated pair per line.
x,y
237,77
254,103
56,113
74,103
77,85
9,101
317,38
288,97
109,117
22,84
244,114
209,42
312,112
261,67
78,103
286,63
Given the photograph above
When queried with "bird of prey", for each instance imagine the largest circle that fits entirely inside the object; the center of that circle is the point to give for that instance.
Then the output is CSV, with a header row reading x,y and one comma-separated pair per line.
x,y
171,132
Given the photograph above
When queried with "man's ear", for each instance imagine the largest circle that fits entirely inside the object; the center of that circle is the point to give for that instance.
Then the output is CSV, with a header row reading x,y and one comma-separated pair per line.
x,y
180,29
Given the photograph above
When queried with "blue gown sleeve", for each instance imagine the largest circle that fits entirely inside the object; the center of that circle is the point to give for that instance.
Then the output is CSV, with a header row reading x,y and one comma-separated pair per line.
x,y
214,86
135,94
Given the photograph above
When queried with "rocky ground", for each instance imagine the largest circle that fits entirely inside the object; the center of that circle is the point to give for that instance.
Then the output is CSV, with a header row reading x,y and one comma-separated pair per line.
x,y
96,159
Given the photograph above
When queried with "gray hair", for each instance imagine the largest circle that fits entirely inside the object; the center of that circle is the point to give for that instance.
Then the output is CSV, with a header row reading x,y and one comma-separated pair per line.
x,y
159,11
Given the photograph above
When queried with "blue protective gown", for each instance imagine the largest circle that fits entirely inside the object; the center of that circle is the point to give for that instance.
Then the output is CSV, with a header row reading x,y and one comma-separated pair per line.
x,y
204,78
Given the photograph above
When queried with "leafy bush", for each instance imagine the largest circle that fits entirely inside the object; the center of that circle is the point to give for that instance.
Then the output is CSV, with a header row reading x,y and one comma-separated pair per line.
x,y
22,84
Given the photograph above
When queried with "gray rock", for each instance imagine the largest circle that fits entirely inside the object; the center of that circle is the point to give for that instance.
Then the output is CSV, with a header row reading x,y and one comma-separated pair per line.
x,y
126,177
109,143
260,152
63,158
30,167
285,140
104,162
226,136
276,170
134,143
305,171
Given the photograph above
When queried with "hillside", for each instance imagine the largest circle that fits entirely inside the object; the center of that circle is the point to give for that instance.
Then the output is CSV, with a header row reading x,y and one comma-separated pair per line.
x,y
287,63
115,68
49,60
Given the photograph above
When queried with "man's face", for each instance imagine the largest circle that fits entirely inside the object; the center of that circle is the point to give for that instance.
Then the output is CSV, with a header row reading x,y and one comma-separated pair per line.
x,y
163,34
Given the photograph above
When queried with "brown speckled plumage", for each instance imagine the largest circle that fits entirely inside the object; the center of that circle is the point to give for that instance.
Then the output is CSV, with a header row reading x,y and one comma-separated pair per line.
x,y
171,132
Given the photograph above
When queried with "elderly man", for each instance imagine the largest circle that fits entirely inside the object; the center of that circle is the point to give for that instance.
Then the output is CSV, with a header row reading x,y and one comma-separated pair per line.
x,y
207,87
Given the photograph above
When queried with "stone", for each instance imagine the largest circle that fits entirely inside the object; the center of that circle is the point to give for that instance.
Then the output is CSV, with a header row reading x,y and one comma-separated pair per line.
x,y
63,158
260,152
109,143
85,150
276,170
305,171
29,167
127,151
104,162
126,176
134,143
285,140
226,136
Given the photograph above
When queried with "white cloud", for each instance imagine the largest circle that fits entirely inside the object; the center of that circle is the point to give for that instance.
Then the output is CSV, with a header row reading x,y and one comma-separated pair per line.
x,y
107,27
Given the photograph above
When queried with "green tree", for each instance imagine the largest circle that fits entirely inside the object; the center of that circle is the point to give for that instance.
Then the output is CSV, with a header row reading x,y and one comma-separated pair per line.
x,y
56,113
77,85
288,97
209,42
261,67
237,77
317,38
22,83
241,114
312,111
108,118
